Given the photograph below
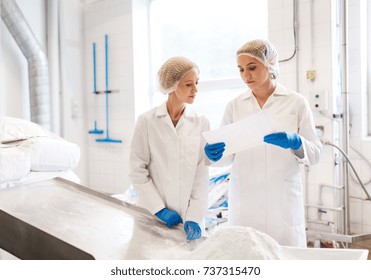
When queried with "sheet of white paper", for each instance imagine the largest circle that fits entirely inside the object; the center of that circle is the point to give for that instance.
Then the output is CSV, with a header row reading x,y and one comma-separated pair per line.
x,y
242,135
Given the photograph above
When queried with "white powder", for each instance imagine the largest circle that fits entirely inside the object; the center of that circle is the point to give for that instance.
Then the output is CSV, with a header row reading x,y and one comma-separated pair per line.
x,y
237,243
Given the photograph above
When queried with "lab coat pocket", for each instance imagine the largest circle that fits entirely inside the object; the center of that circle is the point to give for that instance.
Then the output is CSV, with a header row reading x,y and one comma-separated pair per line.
x,y
192,149
293,204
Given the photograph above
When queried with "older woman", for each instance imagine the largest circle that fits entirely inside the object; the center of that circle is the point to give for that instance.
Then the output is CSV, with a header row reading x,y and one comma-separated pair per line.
x,y
167,161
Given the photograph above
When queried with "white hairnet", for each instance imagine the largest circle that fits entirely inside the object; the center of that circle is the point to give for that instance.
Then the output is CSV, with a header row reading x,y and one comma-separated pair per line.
x,y
263,51
172,71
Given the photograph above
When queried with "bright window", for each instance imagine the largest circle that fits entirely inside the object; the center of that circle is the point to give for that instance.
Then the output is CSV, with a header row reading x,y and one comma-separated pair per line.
x,y
369,67
208,32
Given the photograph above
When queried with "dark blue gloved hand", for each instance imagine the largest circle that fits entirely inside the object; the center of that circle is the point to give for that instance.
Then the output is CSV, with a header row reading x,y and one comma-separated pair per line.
x,y
192,230
284,139
170,217
214,151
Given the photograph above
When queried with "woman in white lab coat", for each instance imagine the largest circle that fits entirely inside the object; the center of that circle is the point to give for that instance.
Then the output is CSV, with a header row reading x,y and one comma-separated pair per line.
x,y
266,191
166,159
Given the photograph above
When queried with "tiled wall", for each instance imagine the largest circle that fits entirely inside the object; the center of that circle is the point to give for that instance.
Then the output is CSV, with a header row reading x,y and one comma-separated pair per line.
x,y
318,49
360,210
108,162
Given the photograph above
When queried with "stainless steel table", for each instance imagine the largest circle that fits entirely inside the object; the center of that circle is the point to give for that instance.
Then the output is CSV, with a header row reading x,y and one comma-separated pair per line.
x,y
58,219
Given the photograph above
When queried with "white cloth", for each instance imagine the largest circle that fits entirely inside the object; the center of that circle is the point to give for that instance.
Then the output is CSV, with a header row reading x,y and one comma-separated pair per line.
x,y
167,163
266,190
14,162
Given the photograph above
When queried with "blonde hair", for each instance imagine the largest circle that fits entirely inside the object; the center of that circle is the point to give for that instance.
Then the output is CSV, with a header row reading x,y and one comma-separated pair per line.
x,y
172,71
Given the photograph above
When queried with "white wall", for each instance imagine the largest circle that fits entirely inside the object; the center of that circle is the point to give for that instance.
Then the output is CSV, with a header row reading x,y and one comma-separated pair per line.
x,y
108,162
72,80
318,49
360,210
314,52
14,97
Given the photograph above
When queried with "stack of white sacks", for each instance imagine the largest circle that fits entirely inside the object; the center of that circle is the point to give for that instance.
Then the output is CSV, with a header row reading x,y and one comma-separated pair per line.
x,y
26,147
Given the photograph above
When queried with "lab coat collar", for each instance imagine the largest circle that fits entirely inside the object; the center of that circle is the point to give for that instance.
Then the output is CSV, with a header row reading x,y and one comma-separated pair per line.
x,y
280,90
162,111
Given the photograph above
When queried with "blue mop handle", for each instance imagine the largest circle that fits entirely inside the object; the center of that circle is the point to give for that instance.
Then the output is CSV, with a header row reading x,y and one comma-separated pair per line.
x,y
94,69
106,46
107,139
95,130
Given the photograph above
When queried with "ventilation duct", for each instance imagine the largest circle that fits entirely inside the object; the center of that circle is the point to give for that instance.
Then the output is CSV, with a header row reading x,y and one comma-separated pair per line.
x,y
36,58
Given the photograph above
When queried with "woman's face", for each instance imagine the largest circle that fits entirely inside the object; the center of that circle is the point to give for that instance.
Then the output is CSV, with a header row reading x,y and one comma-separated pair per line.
x,y
253,72
187,87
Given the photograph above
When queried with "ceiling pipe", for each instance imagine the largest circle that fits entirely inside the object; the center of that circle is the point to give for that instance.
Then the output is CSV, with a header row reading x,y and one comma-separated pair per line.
x,y
37,62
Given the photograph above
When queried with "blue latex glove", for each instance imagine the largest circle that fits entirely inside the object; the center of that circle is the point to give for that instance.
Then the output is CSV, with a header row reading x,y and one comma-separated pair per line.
x,y
217,179
192,230
214,151
284,139
171,218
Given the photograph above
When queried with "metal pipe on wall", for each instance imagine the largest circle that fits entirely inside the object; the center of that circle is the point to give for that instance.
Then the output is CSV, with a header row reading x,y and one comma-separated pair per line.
x,y
37,61
53,55
345,105
296,32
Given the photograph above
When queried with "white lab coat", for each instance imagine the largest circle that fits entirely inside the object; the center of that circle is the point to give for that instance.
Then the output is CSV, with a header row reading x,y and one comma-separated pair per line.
x,y
167,163
266,191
